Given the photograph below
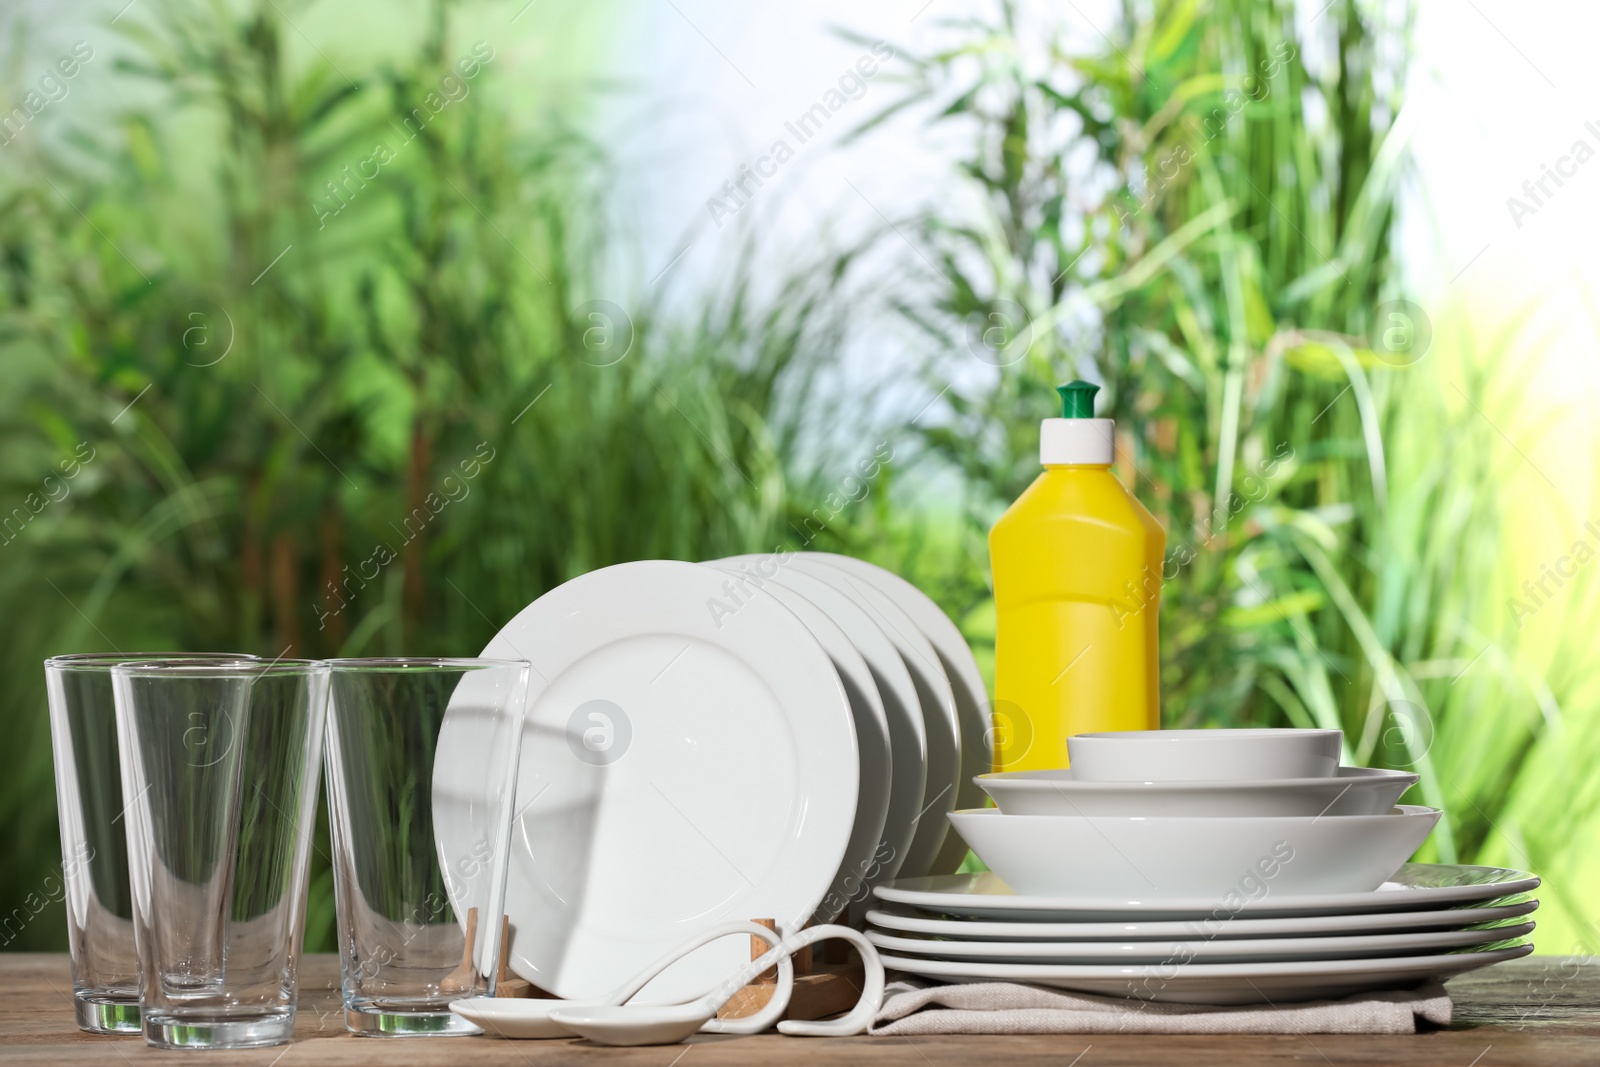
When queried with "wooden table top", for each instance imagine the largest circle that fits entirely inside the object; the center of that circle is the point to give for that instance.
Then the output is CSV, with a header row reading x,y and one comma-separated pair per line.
x,y
1539,1010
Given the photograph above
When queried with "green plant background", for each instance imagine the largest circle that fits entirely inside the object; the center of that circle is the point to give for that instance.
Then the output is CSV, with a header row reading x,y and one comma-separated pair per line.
x,y
1196,211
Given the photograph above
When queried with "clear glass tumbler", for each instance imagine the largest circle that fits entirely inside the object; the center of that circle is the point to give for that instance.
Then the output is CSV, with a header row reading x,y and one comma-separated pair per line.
x,y
219,761
94,846
422,757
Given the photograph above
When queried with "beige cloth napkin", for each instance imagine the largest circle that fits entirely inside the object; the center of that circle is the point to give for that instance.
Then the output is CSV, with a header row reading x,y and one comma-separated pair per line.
x,y
1007,1008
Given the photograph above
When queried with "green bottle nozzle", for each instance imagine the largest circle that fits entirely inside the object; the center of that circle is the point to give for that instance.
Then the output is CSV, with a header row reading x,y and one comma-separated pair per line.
x,y
1077,399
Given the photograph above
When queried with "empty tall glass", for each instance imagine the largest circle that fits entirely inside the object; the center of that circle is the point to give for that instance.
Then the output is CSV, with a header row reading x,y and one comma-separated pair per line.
x,y
219,762
94,846
422,757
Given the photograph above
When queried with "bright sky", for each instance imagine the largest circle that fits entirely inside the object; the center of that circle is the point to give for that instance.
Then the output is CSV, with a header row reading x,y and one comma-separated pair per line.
x,y
725,82
1502,90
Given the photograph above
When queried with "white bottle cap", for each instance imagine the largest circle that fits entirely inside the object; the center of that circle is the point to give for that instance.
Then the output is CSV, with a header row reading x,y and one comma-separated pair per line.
x,y
1064,441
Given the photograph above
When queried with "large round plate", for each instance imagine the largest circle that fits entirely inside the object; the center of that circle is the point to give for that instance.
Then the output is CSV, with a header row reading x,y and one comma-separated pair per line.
x,y
1414,886
1219,983
1234,950
1176,930
872,733
972,698
934,694
908,737
685,760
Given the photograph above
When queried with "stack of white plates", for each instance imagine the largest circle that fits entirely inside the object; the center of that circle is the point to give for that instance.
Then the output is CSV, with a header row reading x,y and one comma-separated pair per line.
x,y
1216,866
757,737
1428,921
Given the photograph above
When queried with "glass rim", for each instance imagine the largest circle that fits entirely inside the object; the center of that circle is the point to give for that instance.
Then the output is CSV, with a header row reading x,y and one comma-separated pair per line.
x,y
237,667
89,661
381,664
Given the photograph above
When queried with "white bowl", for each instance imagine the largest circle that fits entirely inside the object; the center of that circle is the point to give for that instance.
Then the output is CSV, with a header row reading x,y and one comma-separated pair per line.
x,y
1204,755
1351,791
1234,860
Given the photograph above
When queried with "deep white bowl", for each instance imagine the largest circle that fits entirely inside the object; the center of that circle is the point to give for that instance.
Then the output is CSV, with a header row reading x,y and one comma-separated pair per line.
x,y
1236,860
1204,755
1351,791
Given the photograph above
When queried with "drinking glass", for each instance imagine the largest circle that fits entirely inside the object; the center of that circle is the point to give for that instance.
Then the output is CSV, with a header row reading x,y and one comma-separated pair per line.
x,y
422,757
94,847
220,762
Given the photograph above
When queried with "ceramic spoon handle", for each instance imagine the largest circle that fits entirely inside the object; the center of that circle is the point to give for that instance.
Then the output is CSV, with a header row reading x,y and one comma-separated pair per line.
x,y
627,990
853,1023
753,1024
859,1017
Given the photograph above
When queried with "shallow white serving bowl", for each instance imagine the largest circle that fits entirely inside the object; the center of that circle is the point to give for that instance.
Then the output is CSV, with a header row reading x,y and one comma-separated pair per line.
x,y
1204,755
1228,859
1351,791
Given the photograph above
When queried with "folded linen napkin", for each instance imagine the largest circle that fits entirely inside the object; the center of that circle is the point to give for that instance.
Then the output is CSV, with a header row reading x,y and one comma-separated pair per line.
x,y
917,1007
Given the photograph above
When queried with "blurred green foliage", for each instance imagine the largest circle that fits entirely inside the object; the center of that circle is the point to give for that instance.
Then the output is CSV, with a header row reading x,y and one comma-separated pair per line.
x,y
349,401
1199,215
333,368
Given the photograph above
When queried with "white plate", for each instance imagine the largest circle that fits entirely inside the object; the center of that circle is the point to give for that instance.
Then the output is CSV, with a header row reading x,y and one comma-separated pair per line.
x,y
934,694
972,697
1233,950
908,737
1288,926
1414,887
1218,858
675,773
872,736
1352,791
1220,983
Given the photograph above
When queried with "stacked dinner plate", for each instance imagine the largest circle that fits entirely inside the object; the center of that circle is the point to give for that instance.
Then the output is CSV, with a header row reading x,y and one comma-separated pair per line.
x,y
1208,867
757,737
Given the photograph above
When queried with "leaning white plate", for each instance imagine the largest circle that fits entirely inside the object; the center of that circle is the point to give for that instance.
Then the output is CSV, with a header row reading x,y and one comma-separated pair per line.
x,y
934,694
681,765
908,737
1233,950
972,697
1219,983
1177,930
872,734
1414,887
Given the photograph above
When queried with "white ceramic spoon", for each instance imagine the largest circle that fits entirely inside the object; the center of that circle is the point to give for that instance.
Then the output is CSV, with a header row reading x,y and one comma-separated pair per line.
x,y
667,1024
526,1018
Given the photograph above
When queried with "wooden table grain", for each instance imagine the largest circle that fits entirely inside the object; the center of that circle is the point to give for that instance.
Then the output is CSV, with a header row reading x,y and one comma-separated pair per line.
x,y
1527,1013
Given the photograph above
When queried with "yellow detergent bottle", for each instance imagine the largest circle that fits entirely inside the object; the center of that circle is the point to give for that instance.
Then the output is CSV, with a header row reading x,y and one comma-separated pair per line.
x,y
1077,587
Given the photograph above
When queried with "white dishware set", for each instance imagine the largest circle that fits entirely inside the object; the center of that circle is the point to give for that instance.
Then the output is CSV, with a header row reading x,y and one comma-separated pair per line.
x,y
1202,866
664,779
762,737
